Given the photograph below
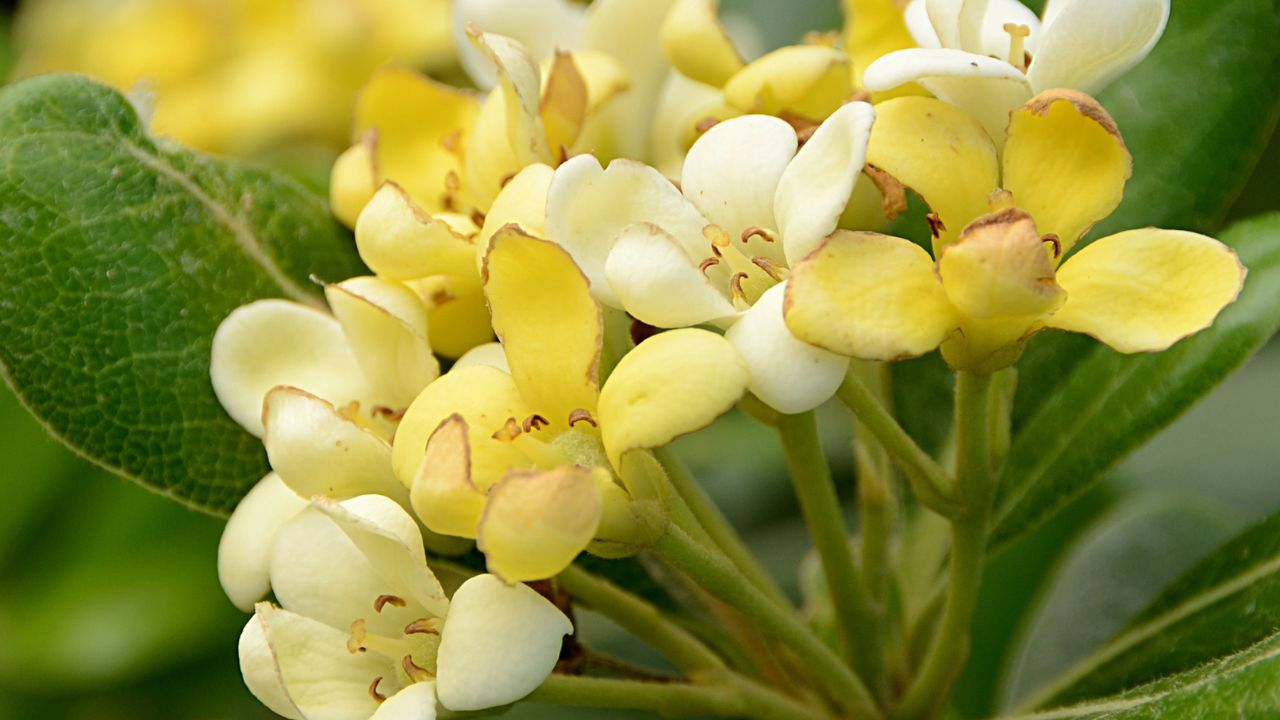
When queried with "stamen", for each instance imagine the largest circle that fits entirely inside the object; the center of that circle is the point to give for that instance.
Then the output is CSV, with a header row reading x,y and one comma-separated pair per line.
x,y
384,600
709,262
510,430
1057,244
735,286
1017,36
757,232
705,124
389,413
580,415
355,643
423,626
773,269
477,217
373,690
415,673
534,422
936,226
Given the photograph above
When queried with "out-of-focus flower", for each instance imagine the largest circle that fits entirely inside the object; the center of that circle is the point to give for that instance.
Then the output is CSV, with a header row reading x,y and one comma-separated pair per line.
x,y
239,76
991,56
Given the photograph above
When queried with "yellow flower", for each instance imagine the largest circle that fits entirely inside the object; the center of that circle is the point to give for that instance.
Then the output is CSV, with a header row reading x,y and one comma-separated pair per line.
x,y
525,450
997,280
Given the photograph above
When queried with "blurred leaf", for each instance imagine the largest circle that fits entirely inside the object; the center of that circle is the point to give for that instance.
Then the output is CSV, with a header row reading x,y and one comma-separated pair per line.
x,y
1106,577
120,258
1226,602
1242,685
1111,403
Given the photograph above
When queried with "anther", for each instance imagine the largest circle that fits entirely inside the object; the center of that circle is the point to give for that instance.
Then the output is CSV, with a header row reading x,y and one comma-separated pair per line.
x,y
759,232
415,673
373,690
1017,36
717,236
385,600
708,263
477,217
735,285
355,643
534,422
581,415
772,268
1057,244
389,413
422,626
936,226
510,430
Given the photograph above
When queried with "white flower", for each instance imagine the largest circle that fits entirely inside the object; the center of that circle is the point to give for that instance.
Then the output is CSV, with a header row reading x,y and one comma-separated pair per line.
x,y
973,53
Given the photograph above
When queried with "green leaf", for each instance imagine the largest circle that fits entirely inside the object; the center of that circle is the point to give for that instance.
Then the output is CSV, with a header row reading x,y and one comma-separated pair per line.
x,y
1228,601
121,255
1242,685
1109,403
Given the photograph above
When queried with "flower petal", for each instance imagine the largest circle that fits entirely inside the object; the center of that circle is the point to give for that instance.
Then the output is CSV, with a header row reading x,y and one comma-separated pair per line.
x,y
658,283
258,667
244,551
1143,290
318,451
536,522
386,326
399,241
671,384
415,702
276,342
1065,163
546,319
788,374
1085,44
697,45
353,180
490,354
816,186
940,152
499,643
957,23
520,83
523,201
868,296
563,106
444,497
806,80
540,25
588,205
873,28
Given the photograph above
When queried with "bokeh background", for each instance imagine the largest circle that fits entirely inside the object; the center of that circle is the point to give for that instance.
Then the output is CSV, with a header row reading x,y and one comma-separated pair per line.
x,y
110,607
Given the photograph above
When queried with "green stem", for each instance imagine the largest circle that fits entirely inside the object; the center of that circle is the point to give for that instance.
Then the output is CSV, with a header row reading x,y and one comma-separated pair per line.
x,y
820,506
720,578
930,482
876,506
969,530
738,698
716,526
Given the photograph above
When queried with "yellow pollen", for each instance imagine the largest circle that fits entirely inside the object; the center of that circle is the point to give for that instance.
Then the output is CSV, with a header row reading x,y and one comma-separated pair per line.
x,y
1017,36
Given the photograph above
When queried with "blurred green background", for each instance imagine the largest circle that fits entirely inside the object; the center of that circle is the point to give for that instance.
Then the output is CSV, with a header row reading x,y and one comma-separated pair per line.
x,y
110,606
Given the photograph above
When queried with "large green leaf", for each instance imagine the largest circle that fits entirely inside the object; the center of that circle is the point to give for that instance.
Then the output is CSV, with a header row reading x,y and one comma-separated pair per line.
x,y
120,255
1228,601
1242,685
1110,403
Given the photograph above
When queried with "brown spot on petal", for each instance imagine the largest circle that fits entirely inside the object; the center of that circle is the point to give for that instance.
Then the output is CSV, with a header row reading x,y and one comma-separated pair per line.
x,y
893,196
1085,104
705,124
450,142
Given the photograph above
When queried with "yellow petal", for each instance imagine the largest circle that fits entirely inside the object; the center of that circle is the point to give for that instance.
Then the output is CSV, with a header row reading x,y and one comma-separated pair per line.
x,y
564,103
485,397
1143,290
671,384
353,181
417,121
443,495
457,318
940,152
806,80
546,319
490,160
873,28
1065,163
386,326
398,240
536,522
519,82
697,45
868,296
523,201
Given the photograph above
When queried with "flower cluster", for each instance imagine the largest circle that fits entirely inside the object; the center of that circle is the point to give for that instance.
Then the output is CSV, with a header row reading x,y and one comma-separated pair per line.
x,y
651,228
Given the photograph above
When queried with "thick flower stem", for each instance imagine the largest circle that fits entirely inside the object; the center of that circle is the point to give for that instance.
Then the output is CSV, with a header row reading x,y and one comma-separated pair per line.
x,y
820,506
716,525
737,697
930,482
969,530
720,578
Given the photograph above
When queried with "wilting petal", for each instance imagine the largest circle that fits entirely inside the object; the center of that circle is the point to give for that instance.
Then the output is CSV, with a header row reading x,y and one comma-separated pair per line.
x,y
940,152
546,319
386,326
806,80
697,45
244,551
658,283
540,25
318,451
788,374
499,643
1085,44
869,296
537,521
398,240
564,102
671,384
520,83
415,702
816,186
588,205
522,201
258,667
275,342
731,173
1065,163
1143,290
444,497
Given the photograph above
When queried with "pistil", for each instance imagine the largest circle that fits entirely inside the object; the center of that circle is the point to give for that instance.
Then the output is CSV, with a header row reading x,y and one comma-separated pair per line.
x,y
1017,38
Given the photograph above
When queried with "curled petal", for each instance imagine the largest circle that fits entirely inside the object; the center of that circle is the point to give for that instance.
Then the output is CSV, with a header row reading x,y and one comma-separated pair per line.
x,y
1143,290
1085,44
244,551
261,675
536,522
399,241
658,283
540,25
697,45
520,83
806,80
522,201
443,495
386,326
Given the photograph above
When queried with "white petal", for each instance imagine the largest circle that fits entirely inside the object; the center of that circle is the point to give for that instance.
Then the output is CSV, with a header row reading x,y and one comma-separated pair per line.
x,y
541,25
995,39
261,676
916,16
490,354
588,205
498,644
658,283
731,173
957,23
788,374
986,88
816,186
277,342
244,552
415,702
1089,43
